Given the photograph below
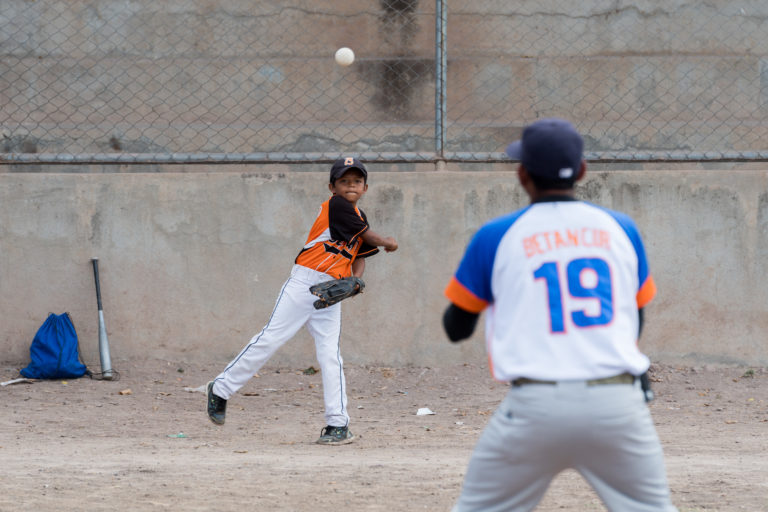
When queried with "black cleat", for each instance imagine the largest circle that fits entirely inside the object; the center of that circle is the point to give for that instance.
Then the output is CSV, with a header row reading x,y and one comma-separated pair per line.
x,y
217,406
335,435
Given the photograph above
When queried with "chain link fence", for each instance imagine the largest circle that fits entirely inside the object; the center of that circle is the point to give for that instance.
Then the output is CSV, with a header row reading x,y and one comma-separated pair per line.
x,y
255,81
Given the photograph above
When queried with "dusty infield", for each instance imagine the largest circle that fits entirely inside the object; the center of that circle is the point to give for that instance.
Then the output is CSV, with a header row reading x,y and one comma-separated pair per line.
x,y
145,443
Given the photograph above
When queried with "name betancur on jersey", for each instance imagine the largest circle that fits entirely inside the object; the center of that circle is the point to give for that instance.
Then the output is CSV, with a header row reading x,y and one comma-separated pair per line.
x,y
540,243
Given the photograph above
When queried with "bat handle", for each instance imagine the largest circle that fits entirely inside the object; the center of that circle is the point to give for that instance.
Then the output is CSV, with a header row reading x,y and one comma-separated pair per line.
x,y
95,262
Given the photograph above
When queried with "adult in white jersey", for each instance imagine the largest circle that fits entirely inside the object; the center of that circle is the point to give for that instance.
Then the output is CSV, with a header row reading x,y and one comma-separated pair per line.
x,y
563,283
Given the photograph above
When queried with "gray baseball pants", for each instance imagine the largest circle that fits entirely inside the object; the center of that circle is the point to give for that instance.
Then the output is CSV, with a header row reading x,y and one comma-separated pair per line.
x,y
605,432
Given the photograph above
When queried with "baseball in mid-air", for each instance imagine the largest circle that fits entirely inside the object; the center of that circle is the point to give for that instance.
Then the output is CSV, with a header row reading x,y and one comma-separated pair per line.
x,y
344,56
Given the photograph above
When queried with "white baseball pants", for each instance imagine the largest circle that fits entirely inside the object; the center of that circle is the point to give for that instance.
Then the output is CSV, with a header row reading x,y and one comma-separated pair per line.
x,y
294,309
604,432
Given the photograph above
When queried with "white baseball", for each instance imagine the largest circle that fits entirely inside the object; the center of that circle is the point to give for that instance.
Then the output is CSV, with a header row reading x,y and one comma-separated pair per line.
x,y
344,56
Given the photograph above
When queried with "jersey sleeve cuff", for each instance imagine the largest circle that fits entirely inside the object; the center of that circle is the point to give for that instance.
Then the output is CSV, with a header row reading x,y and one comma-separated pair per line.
x,y
365,254
646,293
459,295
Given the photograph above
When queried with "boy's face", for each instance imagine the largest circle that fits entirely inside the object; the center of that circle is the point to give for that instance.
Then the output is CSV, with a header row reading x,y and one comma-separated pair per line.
x,y
351,186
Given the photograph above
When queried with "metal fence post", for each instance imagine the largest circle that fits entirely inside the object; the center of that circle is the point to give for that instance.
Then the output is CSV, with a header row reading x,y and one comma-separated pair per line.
x,y
441,66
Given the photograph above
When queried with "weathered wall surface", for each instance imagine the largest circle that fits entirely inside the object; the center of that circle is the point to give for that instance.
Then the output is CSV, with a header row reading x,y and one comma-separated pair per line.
x,y
192,258
191,262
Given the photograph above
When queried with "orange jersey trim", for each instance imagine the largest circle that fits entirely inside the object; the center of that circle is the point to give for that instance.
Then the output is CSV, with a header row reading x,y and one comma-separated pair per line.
x,y
647,292
463,298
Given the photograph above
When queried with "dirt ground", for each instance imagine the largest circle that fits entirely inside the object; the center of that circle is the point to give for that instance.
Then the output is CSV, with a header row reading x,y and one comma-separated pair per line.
x,y
144,442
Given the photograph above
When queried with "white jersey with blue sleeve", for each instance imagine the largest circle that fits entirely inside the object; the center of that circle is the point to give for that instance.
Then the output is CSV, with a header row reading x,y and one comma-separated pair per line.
x,y
562,281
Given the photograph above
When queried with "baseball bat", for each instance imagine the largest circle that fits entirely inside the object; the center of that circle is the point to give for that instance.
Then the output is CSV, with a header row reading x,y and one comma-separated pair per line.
x,y
106,362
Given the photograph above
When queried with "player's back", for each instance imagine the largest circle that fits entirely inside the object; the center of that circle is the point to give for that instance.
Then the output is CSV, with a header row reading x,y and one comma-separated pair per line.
x,y
565,281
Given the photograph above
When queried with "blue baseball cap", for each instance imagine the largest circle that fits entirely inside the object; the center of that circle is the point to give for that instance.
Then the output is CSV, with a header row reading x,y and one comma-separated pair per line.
x,y
344,164
550,149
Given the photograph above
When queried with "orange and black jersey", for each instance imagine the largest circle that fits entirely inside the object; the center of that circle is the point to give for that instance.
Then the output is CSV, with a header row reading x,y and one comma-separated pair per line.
x,y
334,240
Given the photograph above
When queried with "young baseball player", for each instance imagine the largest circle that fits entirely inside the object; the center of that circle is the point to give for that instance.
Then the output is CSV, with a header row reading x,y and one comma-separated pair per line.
x,y
338,243
564,283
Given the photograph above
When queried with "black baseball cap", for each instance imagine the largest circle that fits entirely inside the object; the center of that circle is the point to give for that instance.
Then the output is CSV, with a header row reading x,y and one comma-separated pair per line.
x,y
550,149
344,164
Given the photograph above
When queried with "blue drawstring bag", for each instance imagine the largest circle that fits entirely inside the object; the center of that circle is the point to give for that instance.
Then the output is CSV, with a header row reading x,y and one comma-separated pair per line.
x,y
54,351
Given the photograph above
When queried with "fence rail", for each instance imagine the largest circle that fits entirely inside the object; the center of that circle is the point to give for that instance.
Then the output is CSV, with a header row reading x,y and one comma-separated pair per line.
x,y
255,82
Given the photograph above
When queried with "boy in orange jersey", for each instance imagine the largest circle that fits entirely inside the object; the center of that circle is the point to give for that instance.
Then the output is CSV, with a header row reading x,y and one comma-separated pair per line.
x,y
338,243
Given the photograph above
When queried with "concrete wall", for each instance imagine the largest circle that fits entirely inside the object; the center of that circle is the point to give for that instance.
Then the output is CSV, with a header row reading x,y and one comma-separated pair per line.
x,y
192,258
191,261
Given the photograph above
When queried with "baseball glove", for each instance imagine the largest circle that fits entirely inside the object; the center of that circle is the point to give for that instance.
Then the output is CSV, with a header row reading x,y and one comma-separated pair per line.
x,y
336,290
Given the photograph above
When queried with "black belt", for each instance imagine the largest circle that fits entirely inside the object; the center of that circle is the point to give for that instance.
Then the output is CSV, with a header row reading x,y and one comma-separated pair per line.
x,y
624,378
